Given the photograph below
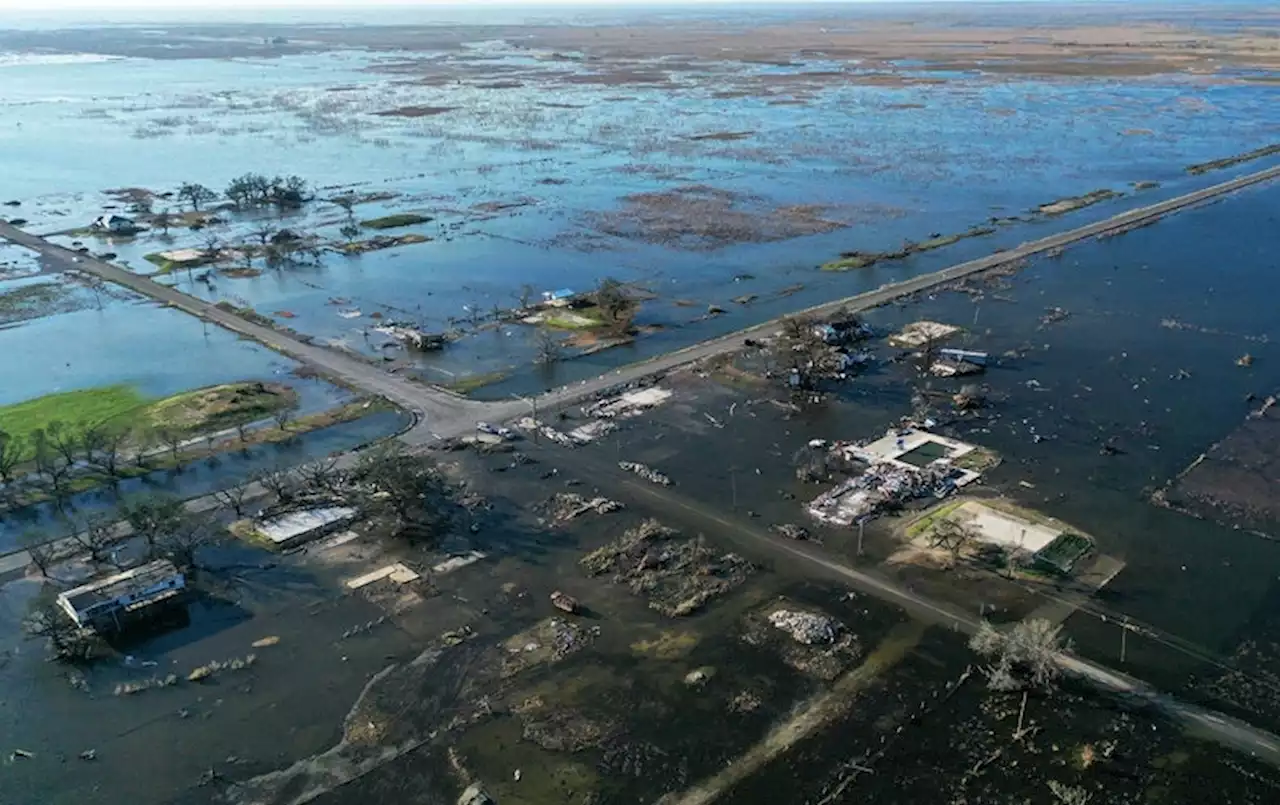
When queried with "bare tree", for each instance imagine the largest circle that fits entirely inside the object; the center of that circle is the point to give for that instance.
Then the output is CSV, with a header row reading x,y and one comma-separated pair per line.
x,y
347,203
1024,656
350,231
142,440
96,533
321,476
242,431
181,541
39,547
163,221
12,450
46,459
196,194
233,497
66,440
547,348
172,438
263,233
67,641
152,517
525,297
403,495
279,483
283,416
212,247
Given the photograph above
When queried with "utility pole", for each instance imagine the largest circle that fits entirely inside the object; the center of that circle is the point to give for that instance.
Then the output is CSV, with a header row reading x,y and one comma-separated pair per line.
x,y
1124,638
862,522
532,402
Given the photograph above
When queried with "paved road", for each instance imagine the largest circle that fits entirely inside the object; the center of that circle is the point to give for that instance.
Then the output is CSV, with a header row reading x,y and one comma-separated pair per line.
x,y
437,411
796,557
442,414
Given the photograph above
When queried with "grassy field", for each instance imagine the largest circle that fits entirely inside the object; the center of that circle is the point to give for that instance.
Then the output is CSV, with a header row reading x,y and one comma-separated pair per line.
x,y
394,221
189,413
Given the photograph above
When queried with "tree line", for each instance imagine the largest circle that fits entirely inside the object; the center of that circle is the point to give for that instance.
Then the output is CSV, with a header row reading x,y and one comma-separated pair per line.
x,y
248,191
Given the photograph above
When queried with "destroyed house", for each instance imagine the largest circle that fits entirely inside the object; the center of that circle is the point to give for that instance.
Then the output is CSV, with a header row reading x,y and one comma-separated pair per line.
x,y
113,602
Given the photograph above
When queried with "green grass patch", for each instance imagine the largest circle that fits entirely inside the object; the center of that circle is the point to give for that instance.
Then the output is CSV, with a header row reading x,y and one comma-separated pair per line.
x,y
587,318
852,260
166,266
1077,202
929,519
119,403
1061,555
394,221
36,300
471,383
980,459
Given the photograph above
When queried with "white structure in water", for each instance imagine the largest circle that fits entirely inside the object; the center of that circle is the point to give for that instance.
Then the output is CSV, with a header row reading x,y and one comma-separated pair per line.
x,y
294,528
114,601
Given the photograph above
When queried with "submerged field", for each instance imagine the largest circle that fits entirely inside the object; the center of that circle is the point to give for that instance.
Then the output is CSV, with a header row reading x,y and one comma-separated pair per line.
x,y
723,645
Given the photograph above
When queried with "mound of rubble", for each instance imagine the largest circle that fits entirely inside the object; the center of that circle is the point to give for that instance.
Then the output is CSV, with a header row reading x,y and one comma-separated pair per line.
x,y
547,641
678,575
648,473
806,627
567,506
562,729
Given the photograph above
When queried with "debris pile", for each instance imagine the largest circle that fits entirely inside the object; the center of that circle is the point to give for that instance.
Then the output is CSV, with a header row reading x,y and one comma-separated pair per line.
x,y
560,729
649,474
791,531
678,575
630,404
806,627
566,506
545,642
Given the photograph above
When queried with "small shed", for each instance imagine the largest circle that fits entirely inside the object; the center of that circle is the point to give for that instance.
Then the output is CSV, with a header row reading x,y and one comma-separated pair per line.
x,y
113,602
560,298
293,529
116,225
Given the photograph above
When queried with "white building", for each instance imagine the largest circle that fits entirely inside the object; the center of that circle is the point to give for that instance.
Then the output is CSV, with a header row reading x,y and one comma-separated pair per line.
x,y
294,528
111,602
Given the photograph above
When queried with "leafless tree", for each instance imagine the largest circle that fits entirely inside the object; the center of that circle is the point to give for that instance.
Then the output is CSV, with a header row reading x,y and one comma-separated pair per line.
x,y
615,306
172,438
347,203
104,446
152,517
66,440
67,641
242,431
1069,794
321,476
12,450
263,233
952,536
196,194
283,416
46,459
143,439
525,297
180,543
39,547
233,497
279,483
403,495
212,246
163,221
350,231
547,348
1024,656
96,533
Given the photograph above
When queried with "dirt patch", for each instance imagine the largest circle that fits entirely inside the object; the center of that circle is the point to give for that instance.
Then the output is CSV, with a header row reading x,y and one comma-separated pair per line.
x,y
1235,482
698,217
546,642
721,135
415,111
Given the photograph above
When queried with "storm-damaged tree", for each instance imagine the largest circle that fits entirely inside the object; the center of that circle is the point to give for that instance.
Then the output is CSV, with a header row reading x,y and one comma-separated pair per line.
x,y
805,355
66,440
322,476
233,497
67,641
172,438
104,445
242,432
402,495
525,297
196,194
547,348
96,533
183,539
1069,794
348,204
1024,657
616,307
163,221
12,450
291,191
283,416
212,247
39,548
48,462
350,231
280,483
151,517
952,537
970,396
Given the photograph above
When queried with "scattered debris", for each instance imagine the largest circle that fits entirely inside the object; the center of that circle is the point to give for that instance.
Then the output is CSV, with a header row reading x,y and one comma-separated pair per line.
x,y
699,676
791,531
1245,360
547,641
457,561
679,575
565,602
628,405
922,333
566,506
266,641
1053,315
645,472
89,754
806,627
475,795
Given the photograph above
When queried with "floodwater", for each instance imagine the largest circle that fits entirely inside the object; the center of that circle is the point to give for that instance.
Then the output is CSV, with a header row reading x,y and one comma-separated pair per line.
x,y
890,162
